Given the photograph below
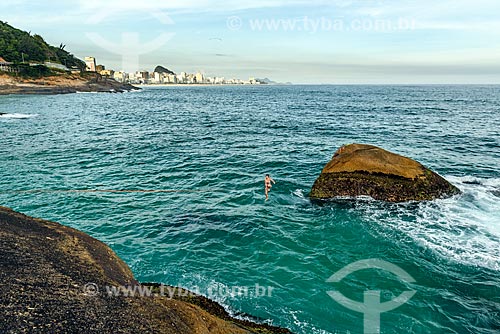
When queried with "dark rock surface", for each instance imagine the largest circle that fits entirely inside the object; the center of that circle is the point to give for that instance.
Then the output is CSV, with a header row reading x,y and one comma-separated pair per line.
x,y
161,69
366,170
45,271
62,84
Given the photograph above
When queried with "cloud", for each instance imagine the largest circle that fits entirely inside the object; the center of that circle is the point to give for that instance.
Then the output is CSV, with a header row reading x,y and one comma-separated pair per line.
x,y
194,5
43,20
450,35
492,27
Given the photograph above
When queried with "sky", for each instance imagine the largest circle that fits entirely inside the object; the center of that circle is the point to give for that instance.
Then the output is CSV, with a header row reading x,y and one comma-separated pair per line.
x,y
299,41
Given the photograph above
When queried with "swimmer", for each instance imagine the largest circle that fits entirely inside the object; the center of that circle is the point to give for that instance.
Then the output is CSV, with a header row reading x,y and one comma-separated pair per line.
x,y
267,185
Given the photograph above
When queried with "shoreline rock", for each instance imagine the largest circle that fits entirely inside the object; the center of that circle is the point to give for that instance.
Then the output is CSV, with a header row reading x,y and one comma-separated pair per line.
x,y
46,269
61,84
366,170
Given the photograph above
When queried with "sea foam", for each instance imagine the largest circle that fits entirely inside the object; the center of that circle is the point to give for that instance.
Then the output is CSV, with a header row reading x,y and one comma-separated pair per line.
x,y
18,116
464,228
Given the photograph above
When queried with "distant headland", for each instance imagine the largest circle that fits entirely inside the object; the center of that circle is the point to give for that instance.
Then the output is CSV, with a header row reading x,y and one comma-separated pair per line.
x,y
29,65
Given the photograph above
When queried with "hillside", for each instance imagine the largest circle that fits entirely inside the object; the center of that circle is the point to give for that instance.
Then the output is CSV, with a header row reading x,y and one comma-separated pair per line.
x,y
16,44
161,69
23,49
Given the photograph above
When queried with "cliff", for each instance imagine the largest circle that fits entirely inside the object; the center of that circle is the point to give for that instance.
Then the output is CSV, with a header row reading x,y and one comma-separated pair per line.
x,y
53,280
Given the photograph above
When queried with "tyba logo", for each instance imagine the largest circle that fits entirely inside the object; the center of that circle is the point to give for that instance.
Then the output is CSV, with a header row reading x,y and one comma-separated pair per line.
x,y
371,307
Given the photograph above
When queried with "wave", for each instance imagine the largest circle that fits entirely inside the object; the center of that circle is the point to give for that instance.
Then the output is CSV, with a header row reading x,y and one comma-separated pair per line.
x,y
299,193
228,301
17,115
464,229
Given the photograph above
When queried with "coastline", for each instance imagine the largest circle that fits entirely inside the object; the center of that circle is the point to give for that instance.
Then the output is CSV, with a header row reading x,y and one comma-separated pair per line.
x,y
56,279
60,84
193,85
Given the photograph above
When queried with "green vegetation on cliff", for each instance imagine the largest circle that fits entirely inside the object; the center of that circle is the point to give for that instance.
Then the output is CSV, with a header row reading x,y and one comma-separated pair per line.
x,y
17,46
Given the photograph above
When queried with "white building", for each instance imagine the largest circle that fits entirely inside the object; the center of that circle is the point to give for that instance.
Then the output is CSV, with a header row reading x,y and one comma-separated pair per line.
x,y
90,64
220,80
120,76
131,77
199,78
157,78
139,77
56,66
171,78
182,78
6,66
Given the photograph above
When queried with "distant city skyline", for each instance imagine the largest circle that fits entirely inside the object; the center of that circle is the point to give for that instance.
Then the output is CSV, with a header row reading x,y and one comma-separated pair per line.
x,y
162,76
296,41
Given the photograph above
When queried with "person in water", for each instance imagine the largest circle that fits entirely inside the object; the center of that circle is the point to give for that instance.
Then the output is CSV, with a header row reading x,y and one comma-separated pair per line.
x,y
267,185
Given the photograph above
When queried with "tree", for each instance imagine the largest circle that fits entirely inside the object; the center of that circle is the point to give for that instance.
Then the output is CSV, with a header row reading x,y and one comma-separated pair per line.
x,y
15,43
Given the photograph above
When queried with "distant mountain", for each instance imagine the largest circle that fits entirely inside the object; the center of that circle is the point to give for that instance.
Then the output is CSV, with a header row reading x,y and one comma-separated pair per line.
x,y
271,82
17,45
161,69
267,81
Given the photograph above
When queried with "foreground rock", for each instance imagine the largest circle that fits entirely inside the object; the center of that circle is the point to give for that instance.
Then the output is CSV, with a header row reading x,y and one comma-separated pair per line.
x,y
61,84
45,271
366,170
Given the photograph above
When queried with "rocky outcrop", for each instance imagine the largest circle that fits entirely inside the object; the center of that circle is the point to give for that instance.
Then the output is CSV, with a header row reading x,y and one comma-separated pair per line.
x,y
161,69
61,84
53,278
366,170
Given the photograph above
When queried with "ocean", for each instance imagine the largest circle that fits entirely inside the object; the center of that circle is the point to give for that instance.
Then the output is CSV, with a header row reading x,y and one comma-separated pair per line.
x,y
205,150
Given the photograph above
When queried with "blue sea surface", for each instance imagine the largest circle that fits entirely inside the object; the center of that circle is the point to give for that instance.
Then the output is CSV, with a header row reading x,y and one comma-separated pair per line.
x,y
208,149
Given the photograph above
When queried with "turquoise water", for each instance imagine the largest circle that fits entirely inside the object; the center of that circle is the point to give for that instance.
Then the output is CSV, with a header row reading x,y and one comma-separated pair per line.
x,y
216,144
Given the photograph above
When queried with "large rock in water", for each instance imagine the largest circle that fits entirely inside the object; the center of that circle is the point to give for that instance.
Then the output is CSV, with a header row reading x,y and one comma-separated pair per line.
x,y
48,273
366,170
